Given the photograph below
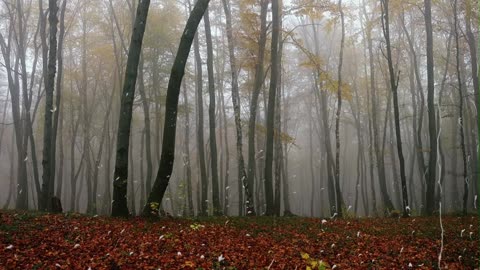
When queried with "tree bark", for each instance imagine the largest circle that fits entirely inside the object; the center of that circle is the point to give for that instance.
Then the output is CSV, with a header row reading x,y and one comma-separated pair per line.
x,y
173,91
269,196
186,160
394,87
146,115
119,204
217,209
48,175
338,193
258,82
242,175
432,130
200,139
460,110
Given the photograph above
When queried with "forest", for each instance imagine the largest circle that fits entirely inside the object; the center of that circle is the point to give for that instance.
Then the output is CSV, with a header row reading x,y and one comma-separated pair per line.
x,y
249,134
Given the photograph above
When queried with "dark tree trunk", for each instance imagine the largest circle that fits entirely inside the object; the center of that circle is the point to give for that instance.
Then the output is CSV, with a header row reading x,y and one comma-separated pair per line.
x,y
173,91
269,196
394,87
48,155
258,82
119,205
432,130
417,128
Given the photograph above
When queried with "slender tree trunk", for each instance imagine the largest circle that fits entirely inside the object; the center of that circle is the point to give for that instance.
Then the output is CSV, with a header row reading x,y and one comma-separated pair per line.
x,y
312,172
432,130
48,175
441,153
258,82
217,210
200,139
338,194
58,105
11,186
225,197
460,110
242,175
394,88
186,161
173,91
119,205
146,115
131,171
271,110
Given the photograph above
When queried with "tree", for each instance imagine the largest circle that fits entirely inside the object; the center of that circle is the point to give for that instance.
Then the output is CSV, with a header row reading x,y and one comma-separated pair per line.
x,y
242,175
394,79
432,130
257,87
173,91
48,158
271,109
338,193
460,110
119,204
211,117
200,138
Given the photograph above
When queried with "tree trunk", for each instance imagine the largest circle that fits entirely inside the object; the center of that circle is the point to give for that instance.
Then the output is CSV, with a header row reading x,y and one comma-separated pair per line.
x,y
242,175
258,82
460,110
186,161
58,106
394,88
146,115
338,194
200,139
168,146
432,130
269,196
48,175
217,209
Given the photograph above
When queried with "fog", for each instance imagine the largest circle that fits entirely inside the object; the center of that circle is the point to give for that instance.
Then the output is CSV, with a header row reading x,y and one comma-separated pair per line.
x,y
374,63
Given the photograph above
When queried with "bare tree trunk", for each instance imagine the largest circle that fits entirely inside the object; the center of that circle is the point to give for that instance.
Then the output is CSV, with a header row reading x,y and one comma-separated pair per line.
x,y
186,160
271,109
48,155
146,115
417,128
57,110
432,130
119,205
440,105
11,186
217,209
173,91
227,155
242,175
200,139
338,193
131,171
258,82
394,88
460,110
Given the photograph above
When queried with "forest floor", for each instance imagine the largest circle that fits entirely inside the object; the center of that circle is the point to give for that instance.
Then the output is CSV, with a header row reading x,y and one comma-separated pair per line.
x,y
30,240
